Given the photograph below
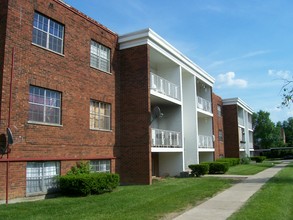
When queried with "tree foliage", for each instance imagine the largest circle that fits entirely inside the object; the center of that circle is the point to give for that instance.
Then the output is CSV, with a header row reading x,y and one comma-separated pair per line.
x,y
287,95
288,128
266,133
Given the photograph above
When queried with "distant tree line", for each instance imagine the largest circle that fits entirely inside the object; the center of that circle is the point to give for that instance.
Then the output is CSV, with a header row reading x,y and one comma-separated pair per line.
x,y
269,135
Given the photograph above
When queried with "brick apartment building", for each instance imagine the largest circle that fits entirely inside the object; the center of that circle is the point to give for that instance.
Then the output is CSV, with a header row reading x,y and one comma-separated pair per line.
x,y
218,126
157,77
232,124
72,90
238,131
64,71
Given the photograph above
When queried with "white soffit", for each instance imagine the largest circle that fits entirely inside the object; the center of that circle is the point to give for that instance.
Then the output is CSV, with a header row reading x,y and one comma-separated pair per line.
x,y
147,36
239,102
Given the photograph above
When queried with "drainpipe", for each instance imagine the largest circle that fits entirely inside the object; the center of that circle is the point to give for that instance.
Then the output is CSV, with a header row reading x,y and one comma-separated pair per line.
x,y
8,124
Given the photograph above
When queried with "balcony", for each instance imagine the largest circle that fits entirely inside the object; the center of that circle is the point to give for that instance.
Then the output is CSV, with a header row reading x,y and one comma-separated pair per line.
x,y
204,104
240,121
242,145
166,139
164,87
205,142
249,125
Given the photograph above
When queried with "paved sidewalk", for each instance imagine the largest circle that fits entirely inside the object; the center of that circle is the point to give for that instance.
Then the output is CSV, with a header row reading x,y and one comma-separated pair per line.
x,y
227,202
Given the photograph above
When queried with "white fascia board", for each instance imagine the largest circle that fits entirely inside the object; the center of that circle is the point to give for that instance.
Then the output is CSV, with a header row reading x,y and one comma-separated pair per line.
x,y
239,102
206,149
147,36
166,150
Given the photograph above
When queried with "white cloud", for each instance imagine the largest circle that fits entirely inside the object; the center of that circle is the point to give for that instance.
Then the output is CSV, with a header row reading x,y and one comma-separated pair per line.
x,y
229,79
280,74
244,56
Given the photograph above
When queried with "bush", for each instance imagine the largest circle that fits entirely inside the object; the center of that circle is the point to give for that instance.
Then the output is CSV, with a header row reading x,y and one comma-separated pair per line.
x,y
258,159
218,167
80,168
231,161
245,160
199,169
86,184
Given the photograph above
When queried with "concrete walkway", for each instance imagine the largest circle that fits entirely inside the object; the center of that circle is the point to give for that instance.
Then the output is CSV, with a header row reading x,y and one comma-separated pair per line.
x,y
229,201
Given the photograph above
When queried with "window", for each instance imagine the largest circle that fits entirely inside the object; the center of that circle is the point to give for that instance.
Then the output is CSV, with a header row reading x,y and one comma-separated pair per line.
x,y
219,109
100,166
100,56
44,105
242,135
100,115
48,33
220,135
40,177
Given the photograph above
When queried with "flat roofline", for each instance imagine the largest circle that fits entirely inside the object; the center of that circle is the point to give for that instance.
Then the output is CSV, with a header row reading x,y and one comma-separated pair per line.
x,y
148,36
239,102
79,13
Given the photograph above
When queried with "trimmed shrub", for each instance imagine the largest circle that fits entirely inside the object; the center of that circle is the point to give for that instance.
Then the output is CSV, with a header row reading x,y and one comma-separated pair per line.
x,y
258,159
218,167
86,184
245,160
80,168
231,161
199,169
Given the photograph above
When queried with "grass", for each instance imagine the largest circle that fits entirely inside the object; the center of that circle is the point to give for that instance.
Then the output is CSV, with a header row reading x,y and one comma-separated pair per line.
x,y
249,169
126,202
273,201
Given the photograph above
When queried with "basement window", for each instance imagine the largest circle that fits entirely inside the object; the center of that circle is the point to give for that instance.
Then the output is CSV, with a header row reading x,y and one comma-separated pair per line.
x,y
100,166
41,177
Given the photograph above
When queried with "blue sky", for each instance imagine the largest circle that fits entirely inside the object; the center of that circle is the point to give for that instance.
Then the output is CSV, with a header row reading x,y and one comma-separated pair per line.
x,y
246,45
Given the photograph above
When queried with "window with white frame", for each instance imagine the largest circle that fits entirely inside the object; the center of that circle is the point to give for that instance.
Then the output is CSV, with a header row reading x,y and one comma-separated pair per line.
x,y
48,33
100,115
100,166
220,135
44,105
41,177
219,109
100,56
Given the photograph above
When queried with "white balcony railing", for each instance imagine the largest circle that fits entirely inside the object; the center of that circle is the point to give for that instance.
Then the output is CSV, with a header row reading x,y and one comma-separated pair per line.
x,y
242,145
165,87
204,104
240,121
249,125
166,139
205,141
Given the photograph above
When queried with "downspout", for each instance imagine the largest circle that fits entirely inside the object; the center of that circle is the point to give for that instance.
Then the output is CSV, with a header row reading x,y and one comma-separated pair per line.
x,y
8,124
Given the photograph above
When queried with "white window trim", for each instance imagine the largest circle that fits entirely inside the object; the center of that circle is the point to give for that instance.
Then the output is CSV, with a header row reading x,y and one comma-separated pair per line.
x,y
108,116
98,57
44,106
43,190
99,164
48,34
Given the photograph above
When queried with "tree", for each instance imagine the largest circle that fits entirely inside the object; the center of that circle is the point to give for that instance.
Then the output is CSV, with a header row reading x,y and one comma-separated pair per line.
x,y
287,95
288,128
266,134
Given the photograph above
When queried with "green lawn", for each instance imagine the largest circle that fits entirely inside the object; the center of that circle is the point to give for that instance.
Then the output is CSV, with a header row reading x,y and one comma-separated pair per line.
x,y
273,201
249,169
126,202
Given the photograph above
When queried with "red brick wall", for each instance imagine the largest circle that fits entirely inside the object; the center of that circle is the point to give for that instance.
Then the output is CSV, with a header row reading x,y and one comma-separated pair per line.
x,y
218,125
231,131
3,19
69,74
135,154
